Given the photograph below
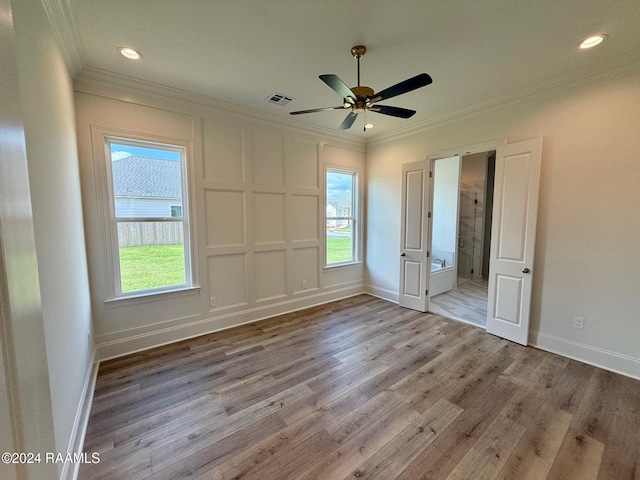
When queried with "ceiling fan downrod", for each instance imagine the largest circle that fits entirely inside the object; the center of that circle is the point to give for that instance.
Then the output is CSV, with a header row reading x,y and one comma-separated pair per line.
x,y
358,51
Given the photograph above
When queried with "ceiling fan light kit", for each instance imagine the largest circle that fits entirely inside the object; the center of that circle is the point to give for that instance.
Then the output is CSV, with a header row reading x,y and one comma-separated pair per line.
x,y
360,98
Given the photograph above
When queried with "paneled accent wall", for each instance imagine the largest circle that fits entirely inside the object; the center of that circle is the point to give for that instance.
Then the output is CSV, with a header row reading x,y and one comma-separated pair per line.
x,y
257,205
262,215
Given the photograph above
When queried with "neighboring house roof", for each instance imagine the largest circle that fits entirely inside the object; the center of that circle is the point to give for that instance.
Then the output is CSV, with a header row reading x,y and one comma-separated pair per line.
x,y
343,201
146,177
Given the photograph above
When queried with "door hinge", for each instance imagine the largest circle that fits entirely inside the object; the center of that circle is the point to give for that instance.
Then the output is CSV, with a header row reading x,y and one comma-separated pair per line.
x,y
429,215
426,292
428,253
430,174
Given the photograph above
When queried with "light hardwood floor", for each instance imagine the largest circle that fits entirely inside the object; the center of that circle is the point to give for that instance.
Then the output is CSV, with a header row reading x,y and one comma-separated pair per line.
x,y
360,388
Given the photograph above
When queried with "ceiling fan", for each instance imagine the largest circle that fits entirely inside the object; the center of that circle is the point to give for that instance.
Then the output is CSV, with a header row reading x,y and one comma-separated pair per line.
x,y
360,99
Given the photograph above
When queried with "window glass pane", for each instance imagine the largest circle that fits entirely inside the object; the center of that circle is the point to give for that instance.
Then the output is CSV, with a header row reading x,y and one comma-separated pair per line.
x,y
339,193
151,255
146,181
147,185
339,246
339,217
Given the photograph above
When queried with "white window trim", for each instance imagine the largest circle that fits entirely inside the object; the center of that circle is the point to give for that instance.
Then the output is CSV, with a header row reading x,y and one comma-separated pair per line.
x,y
354,218
110,221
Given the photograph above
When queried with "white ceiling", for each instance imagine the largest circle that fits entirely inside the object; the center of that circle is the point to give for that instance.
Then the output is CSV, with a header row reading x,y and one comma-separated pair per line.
x,y
479,52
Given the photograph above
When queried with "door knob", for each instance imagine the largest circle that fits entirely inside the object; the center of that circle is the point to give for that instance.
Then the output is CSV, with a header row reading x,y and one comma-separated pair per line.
x,y
403,254
525,270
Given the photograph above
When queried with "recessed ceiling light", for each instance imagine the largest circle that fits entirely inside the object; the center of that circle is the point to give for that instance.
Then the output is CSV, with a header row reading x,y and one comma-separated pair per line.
x,y
369,125
593,41
130,53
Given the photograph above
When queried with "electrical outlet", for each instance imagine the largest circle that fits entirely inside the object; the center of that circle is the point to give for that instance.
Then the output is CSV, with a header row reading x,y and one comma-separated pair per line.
x,y
578,322
304,284
212,302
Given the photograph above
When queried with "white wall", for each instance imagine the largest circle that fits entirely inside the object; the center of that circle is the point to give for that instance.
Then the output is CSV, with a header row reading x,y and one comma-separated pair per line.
x,y
257,204
47,103
474,168
26,422
587,256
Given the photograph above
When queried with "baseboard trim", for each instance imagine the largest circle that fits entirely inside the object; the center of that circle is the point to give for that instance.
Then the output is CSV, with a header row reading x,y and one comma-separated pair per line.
x,y
598,357
117,347
382,293
76,441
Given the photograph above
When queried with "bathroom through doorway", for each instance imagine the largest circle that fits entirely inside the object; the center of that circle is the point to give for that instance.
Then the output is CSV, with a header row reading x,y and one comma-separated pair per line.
x,y
461,236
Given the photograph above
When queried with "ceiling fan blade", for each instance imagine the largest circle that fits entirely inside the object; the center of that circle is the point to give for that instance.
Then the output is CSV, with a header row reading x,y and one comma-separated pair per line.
x,y
313,110
393,111
403,87
348,121
339,86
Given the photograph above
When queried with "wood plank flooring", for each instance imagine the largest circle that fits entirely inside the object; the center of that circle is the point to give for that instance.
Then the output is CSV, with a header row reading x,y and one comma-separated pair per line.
x,y
360,388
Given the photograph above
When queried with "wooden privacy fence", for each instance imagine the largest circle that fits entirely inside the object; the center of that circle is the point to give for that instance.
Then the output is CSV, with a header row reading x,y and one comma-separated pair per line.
x,y
139,234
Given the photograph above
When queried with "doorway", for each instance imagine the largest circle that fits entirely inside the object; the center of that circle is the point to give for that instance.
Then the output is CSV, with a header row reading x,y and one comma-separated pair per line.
x,y
512,243
465,296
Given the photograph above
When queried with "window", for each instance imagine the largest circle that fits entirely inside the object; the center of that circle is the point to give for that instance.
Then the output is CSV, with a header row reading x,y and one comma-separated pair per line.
x,y
146,182
341,211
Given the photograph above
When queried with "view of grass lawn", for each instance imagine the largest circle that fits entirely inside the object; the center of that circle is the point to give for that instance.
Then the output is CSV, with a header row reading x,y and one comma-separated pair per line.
x,y
338,250
153,266
156,266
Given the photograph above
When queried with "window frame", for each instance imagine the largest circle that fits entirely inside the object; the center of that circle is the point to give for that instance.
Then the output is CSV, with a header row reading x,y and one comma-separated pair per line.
x,y
112,220
354,218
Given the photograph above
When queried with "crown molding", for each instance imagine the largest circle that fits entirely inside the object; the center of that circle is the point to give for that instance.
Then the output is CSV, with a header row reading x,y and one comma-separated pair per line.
x,y
113,85
64,29
130,89
615,67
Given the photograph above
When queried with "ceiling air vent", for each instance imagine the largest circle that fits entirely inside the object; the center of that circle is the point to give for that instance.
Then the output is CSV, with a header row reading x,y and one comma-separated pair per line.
x,y
279,99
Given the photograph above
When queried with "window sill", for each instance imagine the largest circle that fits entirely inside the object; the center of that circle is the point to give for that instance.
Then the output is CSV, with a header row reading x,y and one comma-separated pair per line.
x,y
145,297
339,265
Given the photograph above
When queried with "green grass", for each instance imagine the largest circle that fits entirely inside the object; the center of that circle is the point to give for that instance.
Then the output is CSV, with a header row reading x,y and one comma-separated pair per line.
x,y
338,250
154,266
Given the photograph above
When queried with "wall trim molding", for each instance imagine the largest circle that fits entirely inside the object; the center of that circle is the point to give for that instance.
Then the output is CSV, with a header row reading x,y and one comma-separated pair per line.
x,y
132,343
621,65
598,357
60,16
112,85
383,293
76,440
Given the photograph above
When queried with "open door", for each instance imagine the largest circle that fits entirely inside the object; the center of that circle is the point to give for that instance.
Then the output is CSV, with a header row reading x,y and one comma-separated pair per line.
x,y
414,262
513,235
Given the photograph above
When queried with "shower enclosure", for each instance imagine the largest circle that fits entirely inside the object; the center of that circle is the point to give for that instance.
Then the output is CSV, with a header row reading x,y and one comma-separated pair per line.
x,y
470,230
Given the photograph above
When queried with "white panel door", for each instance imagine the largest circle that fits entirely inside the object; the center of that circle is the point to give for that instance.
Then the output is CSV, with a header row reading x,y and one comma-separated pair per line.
x,y
414,264
513,235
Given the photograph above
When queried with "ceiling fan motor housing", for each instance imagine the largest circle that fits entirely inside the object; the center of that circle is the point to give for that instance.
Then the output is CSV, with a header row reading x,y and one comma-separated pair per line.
x,y
363,94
